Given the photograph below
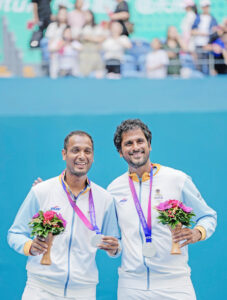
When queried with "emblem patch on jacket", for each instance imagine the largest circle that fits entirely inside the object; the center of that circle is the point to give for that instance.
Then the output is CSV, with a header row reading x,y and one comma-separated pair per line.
x,y
123,200
158,195
55,208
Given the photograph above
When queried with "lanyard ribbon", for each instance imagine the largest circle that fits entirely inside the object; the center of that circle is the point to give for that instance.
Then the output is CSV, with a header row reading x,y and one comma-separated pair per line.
x,y
90,225
147,227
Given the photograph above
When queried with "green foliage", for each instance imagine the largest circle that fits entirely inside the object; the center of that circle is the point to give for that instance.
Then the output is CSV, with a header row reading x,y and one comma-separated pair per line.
x,y
41,225
174,216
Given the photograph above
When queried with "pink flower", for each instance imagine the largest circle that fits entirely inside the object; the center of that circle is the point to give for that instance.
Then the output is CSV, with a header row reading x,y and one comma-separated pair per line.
x,y
185,208
35,216
163,206
173,203
48,215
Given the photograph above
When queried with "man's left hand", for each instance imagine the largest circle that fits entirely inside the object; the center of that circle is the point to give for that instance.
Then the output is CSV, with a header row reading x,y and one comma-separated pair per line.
x,y
190,235
109,244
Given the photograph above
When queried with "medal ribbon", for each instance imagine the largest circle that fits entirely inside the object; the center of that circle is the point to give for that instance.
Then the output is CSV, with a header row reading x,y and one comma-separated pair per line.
x,y
147,227
90,225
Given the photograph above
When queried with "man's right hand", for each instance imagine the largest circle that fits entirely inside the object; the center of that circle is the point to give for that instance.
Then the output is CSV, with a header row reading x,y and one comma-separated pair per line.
x,y
38,180
38,246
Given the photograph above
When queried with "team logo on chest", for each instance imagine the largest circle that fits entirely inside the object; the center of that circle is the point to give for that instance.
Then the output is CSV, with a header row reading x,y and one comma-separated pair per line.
x,y
55,208
122,201
158,195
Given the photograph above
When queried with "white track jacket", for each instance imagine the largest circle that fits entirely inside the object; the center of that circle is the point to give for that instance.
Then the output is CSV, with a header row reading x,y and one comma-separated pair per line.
x,y
73,271
163,270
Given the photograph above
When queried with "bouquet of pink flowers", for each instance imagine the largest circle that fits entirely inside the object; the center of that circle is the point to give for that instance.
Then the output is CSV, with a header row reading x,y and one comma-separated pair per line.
x,y
173,212
47,224
43,223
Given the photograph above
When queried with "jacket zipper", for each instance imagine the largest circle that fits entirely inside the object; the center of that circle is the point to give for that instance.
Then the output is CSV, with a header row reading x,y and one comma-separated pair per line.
x,y
70,243
148,271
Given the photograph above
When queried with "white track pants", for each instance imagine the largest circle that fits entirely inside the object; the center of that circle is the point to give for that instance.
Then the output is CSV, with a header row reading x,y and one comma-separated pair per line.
x,y
168,294
35,293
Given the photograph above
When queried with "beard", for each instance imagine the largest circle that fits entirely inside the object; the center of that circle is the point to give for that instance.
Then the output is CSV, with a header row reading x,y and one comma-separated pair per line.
x,y
79,173
137,164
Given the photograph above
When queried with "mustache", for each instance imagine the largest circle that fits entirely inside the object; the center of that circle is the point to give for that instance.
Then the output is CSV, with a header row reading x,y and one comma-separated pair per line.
x,y
136,151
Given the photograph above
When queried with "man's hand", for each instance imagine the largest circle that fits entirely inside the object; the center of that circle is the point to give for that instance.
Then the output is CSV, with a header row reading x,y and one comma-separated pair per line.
x,y
109,244
38,180
38,246
190,235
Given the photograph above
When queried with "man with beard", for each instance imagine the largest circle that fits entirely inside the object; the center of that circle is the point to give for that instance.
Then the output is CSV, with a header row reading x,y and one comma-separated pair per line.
x,y
89,211
148,270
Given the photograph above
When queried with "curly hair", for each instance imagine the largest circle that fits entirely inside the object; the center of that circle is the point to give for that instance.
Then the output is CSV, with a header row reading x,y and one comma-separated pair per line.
x,y
127,125
77,132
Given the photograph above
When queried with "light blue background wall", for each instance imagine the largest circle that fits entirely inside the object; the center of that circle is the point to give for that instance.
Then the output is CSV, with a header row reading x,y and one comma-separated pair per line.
x,y
188,121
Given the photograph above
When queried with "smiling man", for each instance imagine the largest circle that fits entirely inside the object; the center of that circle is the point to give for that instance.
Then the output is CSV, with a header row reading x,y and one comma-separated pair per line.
x,y
90,213
148,270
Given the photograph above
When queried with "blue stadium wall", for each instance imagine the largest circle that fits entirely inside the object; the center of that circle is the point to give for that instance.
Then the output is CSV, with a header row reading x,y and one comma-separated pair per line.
x,y
188,121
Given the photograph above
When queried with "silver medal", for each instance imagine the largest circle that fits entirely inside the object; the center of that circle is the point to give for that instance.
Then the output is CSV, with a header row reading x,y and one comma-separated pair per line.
x,y
96,240
148,250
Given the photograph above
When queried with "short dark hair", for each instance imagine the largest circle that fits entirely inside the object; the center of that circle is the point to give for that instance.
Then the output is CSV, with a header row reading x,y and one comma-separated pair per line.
x,y
127,125
77,132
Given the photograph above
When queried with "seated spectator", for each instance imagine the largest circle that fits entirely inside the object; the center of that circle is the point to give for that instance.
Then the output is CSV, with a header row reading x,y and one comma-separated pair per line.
x,y
114,47
64,55
173,45
202,28
76,18
187,22
121,15
157,61
92,37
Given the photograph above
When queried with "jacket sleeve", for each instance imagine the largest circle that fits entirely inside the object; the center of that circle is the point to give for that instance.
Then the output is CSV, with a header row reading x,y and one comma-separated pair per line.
x,y
206,217
19,232
110,225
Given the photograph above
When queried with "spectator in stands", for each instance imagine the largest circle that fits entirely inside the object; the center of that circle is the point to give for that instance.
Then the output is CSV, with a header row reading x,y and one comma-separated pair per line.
x,y
121,15
202,28
157,61
224,33
76,18
219,52
64,55
220,31
114,47
173,46
187,22
92,36
55,29
41,13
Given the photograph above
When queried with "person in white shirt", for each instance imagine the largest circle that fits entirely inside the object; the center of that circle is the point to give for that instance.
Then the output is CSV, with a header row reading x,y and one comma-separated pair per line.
x,y
89,211
148,270
64,59
157,61
203,26
114,48
55,29
187,22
